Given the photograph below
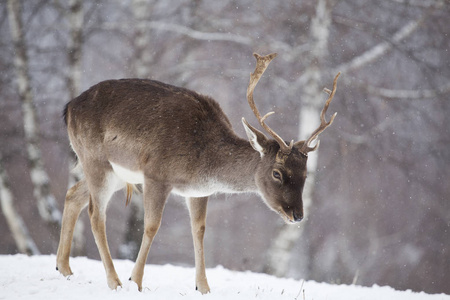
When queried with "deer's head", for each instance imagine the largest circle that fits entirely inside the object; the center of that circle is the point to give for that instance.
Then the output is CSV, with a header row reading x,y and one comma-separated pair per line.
x,y
281,174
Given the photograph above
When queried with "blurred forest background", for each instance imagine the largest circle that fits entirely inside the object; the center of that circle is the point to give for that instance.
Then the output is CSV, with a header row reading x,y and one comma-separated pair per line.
x,y
378,209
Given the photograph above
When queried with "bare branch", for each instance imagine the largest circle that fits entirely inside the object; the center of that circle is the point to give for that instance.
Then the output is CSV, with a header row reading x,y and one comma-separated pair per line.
x,y
195,34
422,3
380,49
199,35
407,94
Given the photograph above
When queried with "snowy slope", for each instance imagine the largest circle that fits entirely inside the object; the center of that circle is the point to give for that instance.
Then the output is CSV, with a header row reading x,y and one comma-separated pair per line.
x,y
23,277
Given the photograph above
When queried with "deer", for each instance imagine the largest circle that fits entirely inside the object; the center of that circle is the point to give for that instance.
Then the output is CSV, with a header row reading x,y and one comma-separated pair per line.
x,y
168,139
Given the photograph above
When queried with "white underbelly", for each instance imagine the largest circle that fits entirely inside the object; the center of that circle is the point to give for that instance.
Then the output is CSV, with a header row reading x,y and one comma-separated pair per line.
x,y
204,188
189,192
130,176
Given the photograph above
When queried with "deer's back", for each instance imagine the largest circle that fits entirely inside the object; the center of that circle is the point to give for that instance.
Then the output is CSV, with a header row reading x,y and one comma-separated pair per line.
x,y
134,122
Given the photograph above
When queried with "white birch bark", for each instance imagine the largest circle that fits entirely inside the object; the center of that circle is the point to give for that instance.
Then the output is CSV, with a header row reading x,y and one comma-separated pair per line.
x,y
143,54
76,19
280,252
19,230
41,185
74,53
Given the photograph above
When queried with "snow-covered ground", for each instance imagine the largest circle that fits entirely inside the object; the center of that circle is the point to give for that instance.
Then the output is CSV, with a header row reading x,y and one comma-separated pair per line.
x,y
23,277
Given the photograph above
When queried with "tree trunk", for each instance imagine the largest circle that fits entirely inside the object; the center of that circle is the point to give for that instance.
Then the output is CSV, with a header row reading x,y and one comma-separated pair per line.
x,y
141,42
280,251
74,53
76,17
19,230
41,185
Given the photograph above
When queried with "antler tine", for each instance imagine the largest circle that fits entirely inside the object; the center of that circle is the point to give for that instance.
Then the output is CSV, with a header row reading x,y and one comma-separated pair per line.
x,y
323,123
262,62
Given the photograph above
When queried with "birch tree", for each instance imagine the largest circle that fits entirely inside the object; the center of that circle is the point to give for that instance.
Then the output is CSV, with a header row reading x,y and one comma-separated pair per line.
x,y
75,46
280,251
46,203
142,61
74,57
311,84
24,241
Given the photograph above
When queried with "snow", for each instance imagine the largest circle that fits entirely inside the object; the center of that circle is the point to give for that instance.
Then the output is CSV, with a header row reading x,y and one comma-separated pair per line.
x,y
35,277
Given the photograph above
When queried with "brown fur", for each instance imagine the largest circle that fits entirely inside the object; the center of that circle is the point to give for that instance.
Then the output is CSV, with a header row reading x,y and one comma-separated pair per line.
x,y
177,139
169,139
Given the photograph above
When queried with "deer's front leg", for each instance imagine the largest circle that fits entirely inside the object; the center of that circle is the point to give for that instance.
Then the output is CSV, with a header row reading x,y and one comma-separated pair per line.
x,y
77,198
197,211
155,196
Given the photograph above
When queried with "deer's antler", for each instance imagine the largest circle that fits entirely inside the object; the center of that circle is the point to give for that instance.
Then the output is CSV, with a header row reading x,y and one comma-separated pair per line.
x,y
323,123
262,62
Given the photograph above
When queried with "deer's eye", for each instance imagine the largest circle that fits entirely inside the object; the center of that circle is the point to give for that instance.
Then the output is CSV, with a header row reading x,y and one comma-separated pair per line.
x,y
277,175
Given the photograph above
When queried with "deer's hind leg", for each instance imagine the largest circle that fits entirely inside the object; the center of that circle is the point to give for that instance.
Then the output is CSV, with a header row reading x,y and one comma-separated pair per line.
x,y
102,184
77,198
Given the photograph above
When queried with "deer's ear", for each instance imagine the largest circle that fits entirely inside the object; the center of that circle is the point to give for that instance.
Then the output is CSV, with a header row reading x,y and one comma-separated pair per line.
x,y
256,138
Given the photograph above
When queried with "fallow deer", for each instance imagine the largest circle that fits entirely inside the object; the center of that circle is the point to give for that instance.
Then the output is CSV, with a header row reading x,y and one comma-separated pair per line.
x,y
170,139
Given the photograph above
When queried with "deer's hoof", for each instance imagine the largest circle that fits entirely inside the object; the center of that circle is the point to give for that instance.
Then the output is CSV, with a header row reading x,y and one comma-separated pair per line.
x,y
203,288
65,271
139,284
114,283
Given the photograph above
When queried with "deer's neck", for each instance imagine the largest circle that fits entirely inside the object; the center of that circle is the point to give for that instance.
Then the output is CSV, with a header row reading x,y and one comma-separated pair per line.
x,y
237,166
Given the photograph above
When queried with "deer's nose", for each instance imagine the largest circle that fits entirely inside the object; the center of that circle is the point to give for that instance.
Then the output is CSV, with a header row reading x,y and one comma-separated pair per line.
x,y
297,216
